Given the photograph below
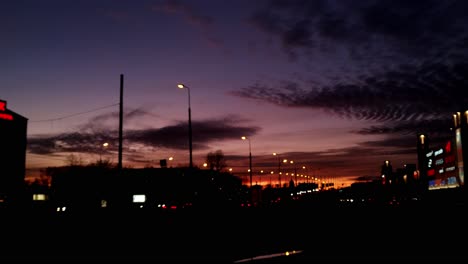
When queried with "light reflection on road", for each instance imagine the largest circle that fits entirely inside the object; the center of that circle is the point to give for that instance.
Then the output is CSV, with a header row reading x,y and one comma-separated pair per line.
x,y
287,253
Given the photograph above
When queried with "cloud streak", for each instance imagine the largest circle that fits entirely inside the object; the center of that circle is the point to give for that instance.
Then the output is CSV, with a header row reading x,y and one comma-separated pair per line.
x,y
367,28
405,60
90,138
408,94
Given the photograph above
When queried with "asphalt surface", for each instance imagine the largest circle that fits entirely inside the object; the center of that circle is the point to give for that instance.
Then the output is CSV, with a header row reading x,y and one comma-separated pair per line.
x,y
393,233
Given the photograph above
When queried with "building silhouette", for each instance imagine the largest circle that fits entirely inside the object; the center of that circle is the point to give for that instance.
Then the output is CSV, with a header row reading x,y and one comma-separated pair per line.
x,y
13,136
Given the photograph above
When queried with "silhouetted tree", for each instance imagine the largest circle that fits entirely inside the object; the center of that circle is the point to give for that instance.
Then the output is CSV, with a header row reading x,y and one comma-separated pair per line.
x,y
216,160
73,160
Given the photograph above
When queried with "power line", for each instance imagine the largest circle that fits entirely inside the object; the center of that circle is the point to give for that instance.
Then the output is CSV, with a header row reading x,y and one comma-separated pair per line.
x,y
75,114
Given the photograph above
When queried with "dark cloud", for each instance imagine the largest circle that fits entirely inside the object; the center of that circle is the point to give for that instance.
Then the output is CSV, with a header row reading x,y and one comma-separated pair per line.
x,y
366,27
431,91
174,136
440,128
399,64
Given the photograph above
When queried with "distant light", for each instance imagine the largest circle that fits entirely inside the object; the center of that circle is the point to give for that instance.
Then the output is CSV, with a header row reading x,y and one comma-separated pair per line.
x,y
139,198
181,86
39,197
105,144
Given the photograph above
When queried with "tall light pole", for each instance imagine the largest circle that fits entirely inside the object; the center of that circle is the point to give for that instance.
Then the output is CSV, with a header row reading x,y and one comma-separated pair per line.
x,y
295,172
279,168
104,146
250,160
182,86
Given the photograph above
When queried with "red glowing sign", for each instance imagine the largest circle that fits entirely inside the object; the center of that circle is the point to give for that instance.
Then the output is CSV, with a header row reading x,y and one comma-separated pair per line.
x,y
3,109
448,147
431,172
450,159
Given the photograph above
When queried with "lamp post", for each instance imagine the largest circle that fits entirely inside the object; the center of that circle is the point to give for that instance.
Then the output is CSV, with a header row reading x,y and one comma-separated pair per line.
x,y
170,160
250,159
279,168
305,168
104,146
295,172
182,86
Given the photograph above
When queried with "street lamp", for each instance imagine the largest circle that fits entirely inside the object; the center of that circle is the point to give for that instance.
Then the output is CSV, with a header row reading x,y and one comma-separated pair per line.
x,y
104,146
250,159
170,160
279,168
295,172
182,86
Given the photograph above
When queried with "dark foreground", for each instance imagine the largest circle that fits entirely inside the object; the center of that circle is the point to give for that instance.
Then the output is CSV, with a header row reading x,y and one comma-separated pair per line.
x,y
321,234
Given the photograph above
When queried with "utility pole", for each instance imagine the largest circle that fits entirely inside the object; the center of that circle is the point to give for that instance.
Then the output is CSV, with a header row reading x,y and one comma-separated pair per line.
x,y
119,166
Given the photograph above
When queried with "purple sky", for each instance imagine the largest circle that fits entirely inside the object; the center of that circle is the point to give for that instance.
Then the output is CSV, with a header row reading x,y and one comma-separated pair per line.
x,y
336,86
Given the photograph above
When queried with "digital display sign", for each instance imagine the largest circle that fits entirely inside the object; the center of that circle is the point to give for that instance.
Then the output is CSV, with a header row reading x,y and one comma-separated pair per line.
x,y
442,168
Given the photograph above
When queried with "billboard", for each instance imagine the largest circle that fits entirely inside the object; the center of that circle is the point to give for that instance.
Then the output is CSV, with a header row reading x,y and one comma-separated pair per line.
x,y
443,169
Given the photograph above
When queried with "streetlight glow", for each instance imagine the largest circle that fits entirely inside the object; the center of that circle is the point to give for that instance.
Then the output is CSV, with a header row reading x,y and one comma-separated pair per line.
x,y
250,159
279,168
182,86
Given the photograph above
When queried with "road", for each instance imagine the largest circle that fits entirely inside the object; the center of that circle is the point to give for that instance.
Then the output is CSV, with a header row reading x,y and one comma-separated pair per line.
x,y
226,235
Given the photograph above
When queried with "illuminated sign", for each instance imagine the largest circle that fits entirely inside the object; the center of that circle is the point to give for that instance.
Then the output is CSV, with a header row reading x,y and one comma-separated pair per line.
x,y
431,172
448,147
139,198
429,153
438,152
458,142
450,159
444,165
2,110
452,168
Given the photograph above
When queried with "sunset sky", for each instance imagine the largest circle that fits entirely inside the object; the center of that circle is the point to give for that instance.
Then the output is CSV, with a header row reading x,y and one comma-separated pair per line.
x,y
336,86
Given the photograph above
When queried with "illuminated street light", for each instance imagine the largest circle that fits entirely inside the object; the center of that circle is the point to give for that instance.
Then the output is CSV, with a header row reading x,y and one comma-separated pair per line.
x,y
250,159
170,160
104,146
295,172
182,86
279,168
